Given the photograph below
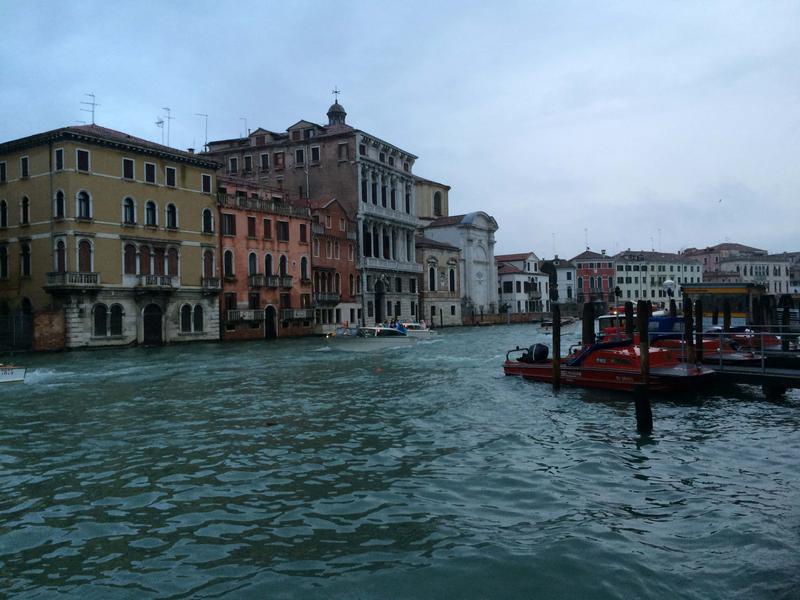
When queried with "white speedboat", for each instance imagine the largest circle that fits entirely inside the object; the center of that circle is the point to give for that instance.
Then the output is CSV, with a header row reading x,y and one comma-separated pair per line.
x,y
9,373
369,339
418,330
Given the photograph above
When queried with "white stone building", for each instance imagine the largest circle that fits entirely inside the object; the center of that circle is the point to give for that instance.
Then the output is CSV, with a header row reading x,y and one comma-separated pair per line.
x,y
522,286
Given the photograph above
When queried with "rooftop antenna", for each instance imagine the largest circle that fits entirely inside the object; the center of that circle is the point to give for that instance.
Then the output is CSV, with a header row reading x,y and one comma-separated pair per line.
x,y
652,245
205,146
93,104
160,125
659,239
336,91
586,237
245,125
554,243
169,118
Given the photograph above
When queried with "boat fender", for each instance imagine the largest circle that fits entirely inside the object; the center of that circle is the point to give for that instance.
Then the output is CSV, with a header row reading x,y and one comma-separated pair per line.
x,y
539,352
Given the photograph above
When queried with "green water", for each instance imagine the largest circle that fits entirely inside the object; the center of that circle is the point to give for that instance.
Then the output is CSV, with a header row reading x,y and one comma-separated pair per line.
x,y
287,470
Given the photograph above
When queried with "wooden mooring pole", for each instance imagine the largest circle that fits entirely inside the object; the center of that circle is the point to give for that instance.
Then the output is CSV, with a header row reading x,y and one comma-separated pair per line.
x,y
641,397
556,346
629,326
698,311
587,330
726,315
688,328
786,305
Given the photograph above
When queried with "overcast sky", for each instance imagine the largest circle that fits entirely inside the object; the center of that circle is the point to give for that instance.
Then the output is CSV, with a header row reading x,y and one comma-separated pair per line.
x,y
649,125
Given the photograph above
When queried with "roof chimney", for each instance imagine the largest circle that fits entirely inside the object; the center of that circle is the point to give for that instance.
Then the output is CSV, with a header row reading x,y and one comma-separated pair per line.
x,y
603,252
190,150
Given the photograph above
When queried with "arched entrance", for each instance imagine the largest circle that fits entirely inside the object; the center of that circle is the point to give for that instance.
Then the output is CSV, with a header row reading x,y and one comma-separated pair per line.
x,y
152,318
270,319
379,290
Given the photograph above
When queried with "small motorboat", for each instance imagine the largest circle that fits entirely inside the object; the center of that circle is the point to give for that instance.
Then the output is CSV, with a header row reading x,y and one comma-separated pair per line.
x,y
608,365
716,350
370,339
11,373
418,330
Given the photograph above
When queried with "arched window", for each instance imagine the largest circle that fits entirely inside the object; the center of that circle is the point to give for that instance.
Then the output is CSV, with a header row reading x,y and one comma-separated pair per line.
x,y
268,270
431,279
283,265
25,260
158,261
59,205
252,264
144,260
61,256
208,221
316,246
128,211
150,213
3,262
116,320
580,284
304,268
100,315
172,262
25,211
84,205
197,320
26,306
227,263
172,216
337,282
350,288
3,213
130,259
452,280
186,318
208,263
85,256
437,204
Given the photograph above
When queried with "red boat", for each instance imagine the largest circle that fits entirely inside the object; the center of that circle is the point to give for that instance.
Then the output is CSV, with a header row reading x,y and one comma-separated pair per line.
x,y
609,365
719,350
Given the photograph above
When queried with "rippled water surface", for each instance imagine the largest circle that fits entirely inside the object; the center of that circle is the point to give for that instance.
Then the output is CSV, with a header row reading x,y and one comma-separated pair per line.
x,y
286,470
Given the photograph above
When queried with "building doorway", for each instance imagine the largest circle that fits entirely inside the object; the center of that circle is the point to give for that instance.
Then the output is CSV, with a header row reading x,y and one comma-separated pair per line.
x,y
152,324
379,292
270,320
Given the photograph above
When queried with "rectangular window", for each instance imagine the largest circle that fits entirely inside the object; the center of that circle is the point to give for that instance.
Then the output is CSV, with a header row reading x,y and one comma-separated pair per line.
x,y
264,161
342,225
248,164
59,159
228,224
169,173
303,233
82,160
23,167
327,221
283,231
315,154
343,154
127,168
251,227
149,173
206,183
267,229
2,172
508,287
299,156
362,150
412,285
279,161
233,164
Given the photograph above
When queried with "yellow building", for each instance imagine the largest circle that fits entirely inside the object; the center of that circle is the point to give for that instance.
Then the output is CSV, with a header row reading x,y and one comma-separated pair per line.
x,y
112,234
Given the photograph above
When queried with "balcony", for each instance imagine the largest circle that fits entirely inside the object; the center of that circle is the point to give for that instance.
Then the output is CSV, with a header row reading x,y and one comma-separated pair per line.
x,y
72,281
286,281
352,235
534,295
318,228
211,285
256,281
272,281
253,314
327,298
389,214
369,262
297,314
155,282
262,205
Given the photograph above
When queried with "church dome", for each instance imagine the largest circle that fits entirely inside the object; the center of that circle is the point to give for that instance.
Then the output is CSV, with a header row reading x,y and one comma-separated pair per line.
x,y
336,113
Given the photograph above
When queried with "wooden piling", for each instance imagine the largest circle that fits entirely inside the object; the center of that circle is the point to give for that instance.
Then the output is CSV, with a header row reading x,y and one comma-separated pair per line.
x,y
726,315
629,326
556,346
715,316
642,319
786,305
698,311
587,332
644,412
673,308
688,328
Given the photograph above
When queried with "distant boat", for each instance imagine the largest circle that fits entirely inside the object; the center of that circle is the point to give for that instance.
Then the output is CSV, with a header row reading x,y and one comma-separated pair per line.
x,y
564,322
369,339
10,373
418,330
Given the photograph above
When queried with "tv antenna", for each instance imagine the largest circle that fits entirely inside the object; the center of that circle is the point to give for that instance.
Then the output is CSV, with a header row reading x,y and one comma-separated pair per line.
x,y
169,118
160,125
205,145
93,105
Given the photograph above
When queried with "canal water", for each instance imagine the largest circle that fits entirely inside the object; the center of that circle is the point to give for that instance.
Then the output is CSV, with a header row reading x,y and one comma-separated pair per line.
x,y
288,470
